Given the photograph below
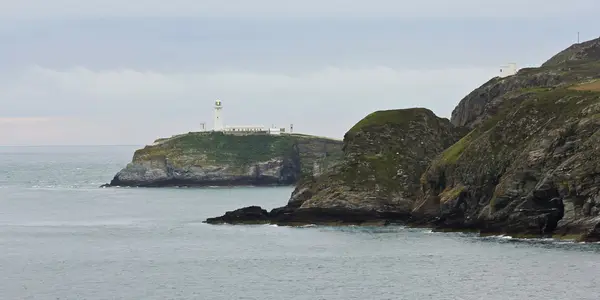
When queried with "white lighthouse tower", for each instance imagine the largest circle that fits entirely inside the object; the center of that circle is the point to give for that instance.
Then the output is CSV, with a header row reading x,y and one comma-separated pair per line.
x,y
218,122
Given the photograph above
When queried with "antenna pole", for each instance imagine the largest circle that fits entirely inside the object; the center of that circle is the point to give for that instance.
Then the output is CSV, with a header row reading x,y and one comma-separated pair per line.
x,y
577,37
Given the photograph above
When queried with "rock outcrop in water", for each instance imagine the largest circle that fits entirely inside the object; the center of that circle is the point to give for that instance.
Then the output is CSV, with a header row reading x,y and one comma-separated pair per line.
x,y
525,164
218,159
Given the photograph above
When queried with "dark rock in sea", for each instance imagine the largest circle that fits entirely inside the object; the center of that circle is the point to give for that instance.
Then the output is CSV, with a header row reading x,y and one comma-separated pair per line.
x,y
297,217
246,215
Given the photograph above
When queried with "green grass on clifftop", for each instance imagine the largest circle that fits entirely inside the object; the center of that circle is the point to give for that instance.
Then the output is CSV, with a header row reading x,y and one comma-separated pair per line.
x,y
547,105
391,117
216,148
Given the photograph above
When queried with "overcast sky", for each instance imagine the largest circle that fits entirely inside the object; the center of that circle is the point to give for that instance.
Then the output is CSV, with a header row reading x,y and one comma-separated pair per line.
x,y
76,72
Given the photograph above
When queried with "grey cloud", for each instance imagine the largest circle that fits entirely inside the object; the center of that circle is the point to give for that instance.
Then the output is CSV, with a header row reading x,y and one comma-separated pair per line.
x,y
31,9
79,73
325,102
282,45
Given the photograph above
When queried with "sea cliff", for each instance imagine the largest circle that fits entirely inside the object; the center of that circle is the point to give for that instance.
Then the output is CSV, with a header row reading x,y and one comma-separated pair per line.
x,y
218,159
518,157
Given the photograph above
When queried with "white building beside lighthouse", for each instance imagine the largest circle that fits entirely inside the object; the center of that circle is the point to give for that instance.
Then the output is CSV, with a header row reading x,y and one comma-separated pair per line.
x,y
245,129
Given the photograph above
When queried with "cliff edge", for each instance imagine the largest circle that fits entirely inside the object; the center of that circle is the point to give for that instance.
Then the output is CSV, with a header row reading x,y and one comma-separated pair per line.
x,y
218,159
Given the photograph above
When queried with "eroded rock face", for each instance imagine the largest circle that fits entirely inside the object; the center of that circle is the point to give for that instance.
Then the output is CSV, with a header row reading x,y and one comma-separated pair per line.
x,y
484,101
158,173
215,159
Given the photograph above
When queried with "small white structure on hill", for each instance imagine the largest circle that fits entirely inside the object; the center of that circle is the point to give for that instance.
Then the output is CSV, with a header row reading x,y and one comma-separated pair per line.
x,y
247,128
276,131
508,70
218,122
218,125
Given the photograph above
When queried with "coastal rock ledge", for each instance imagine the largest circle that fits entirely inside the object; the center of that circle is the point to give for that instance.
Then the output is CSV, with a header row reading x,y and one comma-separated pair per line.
x,y
286,216
219,159
519,157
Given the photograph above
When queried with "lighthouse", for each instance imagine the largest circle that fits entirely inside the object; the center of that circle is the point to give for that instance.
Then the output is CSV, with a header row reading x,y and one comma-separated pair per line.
x,y
218,122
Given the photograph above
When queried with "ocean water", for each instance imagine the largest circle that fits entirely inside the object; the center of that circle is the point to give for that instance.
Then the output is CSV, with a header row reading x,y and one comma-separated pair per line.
x,y
62,237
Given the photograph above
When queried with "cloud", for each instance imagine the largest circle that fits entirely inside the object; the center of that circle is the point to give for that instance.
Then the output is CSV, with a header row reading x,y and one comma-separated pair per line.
x,y
23,120
146,103
104,130
286,8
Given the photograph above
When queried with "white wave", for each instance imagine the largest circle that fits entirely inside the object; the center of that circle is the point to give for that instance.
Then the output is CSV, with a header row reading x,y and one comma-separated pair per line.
x,y
500,236
309,225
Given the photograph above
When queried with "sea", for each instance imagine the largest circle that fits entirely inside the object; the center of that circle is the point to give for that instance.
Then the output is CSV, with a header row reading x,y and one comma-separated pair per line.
x,y
64,237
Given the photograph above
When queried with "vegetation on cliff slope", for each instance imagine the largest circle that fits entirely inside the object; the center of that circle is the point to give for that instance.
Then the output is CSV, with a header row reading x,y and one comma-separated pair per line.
x,y
199,148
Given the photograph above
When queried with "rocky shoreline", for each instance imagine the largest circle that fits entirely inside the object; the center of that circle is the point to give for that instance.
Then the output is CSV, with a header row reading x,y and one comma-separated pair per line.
x,y
285,216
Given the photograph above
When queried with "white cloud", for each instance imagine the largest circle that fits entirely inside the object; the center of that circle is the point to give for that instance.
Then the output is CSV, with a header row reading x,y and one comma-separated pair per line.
x,y
293,8
325,102
86,131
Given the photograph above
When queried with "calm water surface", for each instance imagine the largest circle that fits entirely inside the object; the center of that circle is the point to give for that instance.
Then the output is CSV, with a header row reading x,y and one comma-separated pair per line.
x,y
62,237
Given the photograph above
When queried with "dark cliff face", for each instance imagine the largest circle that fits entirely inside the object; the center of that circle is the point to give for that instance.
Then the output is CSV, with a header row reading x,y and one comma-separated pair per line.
x,y
529,166
217,159
523,171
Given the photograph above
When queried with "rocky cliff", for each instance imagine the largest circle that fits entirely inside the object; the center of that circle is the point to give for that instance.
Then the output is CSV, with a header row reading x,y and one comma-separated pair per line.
x,y
378,178
525,164
384,155
216,159
529,167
